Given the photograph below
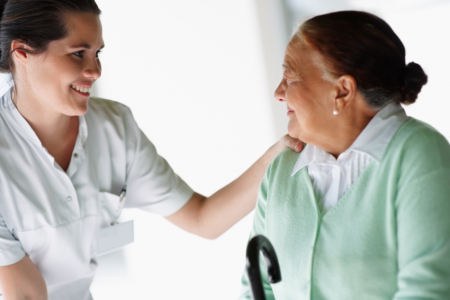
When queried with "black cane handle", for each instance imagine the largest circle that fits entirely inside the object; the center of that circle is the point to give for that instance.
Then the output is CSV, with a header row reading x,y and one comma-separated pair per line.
x,y
257,244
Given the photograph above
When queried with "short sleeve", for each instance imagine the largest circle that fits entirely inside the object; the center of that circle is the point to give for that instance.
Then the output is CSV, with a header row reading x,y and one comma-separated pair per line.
x,y
11,250
152,185
259,228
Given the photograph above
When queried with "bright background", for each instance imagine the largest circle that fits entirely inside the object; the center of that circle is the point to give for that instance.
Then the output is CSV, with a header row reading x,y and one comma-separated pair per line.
x,y
199,77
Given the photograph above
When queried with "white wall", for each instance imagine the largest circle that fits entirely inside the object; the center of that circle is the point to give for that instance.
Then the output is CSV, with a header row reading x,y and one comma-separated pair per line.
x,y
193,73
423,27
199,77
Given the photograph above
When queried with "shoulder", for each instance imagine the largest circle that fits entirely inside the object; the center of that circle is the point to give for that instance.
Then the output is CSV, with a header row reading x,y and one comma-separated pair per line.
x,y
103,112
286,157
107,108
423,143
414,129
417,152
112,119
283,163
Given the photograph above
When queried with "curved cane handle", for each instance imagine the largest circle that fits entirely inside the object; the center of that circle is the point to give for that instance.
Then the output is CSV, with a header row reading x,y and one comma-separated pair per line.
x,y
256,245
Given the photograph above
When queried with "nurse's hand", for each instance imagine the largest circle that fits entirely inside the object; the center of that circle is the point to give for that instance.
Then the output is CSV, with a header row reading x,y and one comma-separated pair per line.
x,y
209,217
289,142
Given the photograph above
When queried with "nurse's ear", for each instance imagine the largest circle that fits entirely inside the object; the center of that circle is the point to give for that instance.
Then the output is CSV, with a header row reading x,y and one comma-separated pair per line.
x,y
20,52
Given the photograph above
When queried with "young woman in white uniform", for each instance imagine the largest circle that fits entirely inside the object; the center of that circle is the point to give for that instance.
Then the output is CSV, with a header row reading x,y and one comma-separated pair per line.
x,y
65,160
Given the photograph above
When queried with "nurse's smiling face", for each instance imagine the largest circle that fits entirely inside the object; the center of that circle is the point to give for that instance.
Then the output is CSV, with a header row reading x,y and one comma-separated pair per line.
x,y
59,79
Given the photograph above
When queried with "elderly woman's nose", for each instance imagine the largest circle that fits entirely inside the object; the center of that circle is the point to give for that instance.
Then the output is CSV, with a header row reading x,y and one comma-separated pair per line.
x,y
279,93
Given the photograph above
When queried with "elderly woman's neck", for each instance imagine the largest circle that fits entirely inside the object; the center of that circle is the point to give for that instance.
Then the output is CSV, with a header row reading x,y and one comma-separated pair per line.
x,y
345,130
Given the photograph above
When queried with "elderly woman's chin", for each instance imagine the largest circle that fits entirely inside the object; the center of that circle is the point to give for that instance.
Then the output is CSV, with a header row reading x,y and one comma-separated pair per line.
x,y
294,130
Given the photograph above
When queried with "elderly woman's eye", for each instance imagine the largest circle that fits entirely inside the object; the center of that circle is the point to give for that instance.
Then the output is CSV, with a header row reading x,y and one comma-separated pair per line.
x,y
289,80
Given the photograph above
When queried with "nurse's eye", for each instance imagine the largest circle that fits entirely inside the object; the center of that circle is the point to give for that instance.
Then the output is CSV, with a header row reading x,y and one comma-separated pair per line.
x,y
98,53
79,53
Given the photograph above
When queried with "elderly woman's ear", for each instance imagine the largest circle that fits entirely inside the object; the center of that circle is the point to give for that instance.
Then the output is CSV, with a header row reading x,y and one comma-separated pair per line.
x,y
345,92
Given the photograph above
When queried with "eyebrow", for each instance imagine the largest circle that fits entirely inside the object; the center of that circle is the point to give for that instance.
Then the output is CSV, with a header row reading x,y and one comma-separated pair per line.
x,y
84,45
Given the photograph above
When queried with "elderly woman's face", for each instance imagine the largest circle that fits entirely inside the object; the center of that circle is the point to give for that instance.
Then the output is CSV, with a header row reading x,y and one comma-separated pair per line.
x,y
308,95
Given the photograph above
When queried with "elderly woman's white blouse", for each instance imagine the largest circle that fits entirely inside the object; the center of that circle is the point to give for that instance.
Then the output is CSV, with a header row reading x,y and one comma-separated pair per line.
x,y
332,177
54,216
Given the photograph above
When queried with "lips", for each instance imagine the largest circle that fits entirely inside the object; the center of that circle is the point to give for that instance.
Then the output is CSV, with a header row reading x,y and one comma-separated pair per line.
x,y
87,94
289,110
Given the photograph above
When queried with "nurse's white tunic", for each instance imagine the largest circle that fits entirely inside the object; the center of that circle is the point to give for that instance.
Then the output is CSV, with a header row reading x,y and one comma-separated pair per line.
x,y
54,216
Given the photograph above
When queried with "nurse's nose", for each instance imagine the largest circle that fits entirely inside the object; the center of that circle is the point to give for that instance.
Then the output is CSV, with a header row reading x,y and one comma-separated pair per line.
x,y
93,69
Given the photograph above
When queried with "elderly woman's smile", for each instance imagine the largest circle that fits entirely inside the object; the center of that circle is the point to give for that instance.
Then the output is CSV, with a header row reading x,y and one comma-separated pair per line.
x,y
311,96
350,216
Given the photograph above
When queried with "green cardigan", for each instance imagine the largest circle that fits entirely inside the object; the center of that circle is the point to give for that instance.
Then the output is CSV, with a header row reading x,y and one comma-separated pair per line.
x,y
388,237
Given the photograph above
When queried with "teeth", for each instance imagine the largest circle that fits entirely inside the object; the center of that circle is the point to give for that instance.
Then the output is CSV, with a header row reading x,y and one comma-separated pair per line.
x,y
81,89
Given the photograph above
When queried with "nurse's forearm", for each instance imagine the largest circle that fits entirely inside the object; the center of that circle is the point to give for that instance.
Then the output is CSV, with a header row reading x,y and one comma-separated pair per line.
x,y
22,280
210,217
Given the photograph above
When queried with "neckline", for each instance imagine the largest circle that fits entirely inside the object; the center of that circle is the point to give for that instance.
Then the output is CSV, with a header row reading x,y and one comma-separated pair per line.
x,y
14,118
372,141
343,200
23,127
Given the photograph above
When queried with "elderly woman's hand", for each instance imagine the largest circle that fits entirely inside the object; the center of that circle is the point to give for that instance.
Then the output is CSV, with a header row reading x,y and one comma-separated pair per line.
x,y
289,142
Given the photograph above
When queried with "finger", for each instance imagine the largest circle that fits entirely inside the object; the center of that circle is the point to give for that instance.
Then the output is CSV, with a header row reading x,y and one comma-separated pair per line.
x,y
287,141
299,146
294,144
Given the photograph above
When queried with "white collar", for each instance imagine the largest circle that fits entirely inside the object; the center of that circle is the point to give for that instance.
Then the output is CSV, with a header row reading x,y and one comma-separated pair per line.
x,y
372,141
19,122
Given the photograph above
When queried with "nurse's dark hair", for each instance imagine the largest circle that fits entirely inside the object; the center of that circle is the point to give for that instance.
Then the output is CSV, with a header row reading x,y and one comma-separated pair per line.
x,y
365,47
35,23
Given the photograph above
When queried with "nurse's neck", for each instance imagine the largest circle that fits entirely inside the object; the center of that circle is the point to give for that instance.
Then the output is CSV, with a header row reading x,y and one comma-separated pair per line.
x,y
56,131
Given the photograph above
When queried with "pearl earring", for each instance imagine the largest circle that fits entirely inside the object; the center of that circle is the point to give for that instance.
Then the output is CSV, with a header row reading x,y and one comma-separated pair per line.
x,y
335,112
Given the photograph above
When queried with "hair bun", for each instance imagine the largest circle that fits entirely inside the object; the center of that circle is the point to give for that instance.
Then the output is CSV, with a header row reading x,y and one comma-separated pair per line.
x,y
415,78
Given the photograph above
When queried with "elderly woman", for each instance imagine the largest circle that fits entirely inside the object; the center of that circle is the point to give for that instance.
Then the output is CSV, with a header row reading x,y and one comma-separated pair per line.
x,y
363,212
